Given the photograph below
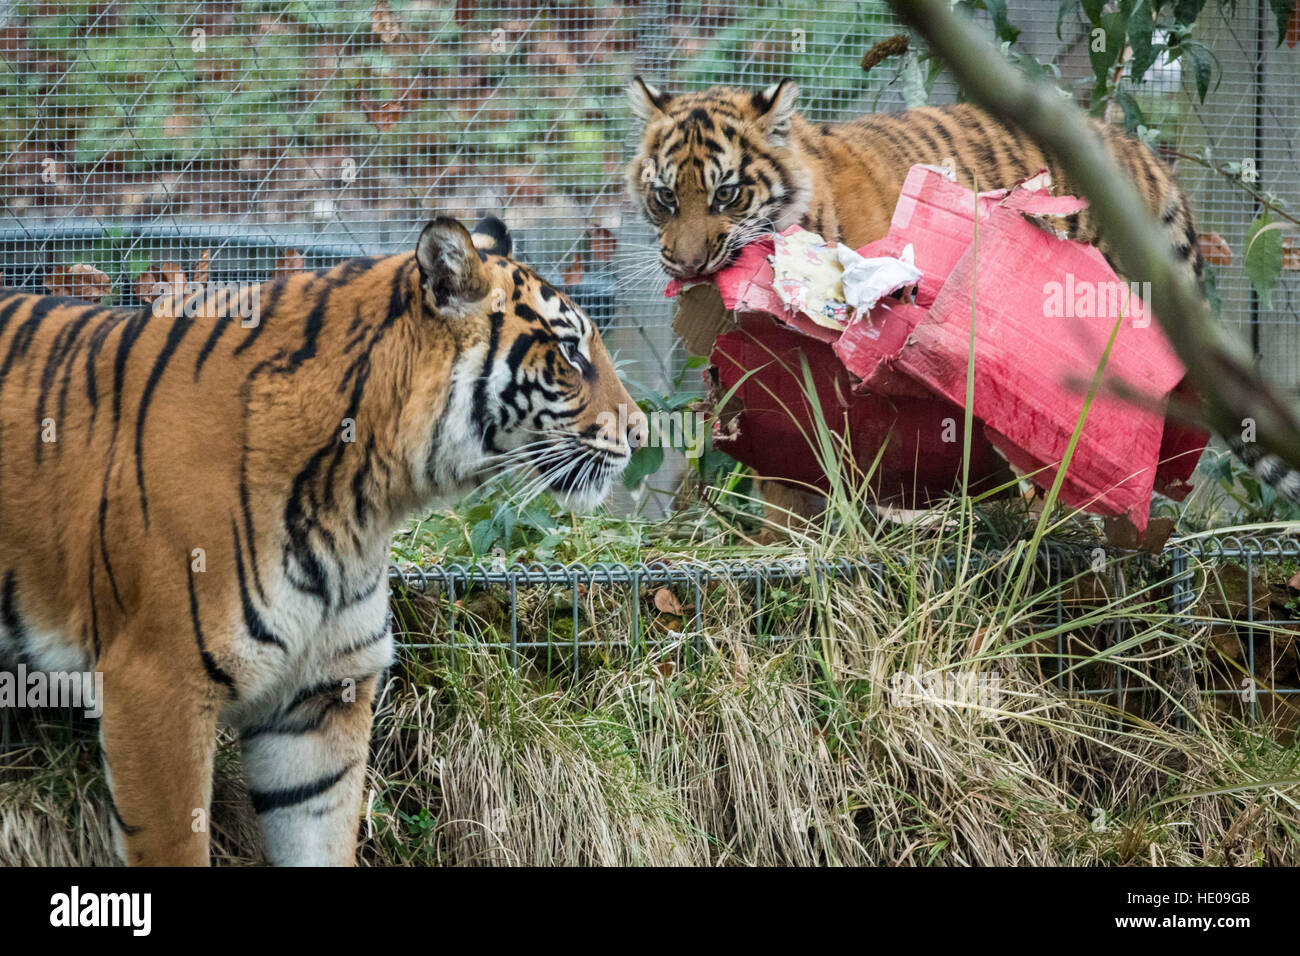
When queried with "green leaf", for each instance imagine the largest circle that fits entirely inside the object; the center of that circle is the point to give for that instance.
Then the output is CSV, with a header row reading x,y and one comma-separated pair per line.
x,y
1263,258
913,84
1282,11
1001,25
1092,10
482,537
1065,7
645,461
1140,27
1202,62
1111,43
1133,117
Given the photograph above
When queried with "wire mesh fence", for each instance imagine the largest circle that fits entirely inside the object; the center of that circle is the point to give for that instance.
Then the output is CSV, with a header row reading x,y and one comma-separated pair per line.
x,y
138,135
1240,594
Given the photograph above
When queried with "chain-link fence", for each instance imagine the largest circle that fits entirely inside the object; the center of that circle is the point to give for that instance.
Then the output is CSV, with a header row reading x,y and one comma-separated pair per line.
x,y
138,135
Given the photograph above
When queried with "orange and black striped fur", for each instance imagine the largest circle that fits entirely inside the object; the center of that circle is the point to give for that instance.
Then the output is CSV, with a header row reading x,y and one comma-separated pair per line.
x,y
719,168
210,526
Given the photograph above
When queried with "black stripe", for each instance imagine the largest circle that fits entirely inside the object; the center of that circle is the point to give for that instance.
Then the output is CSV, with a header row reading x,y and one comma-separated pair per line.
x,y
223,323
265,801
64,350
360,506
8,311
300,525
23,335
214,670
257,628
13,621
365,642
496,323
97,340
274,291
315,321
399,300
130,335
117,815
246,508
279,724
94,604
103,524
180,326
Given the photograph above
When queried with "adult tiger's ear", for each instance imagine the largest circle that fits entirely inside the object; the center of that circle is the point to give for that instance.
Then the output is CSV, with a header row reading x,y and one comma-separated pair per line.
x,y
647,101
492,236
774,107
450,267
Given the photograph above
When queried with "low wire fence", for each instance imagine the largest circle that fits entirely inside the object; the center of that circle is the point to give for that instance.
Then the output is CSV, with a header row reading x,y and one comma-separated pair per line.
x,y
1243,592
1238,596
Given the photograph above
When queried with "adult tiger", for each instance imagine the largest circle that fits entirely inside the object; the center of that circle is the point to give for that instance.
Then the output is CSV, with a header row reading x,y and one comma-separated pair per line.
x,y
209,527
718,168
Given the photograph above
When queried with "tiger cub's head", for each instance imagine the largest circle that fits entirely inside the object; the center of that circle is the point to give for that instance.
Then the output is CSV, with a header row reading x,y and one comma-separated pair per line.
x,y
714,170
533,390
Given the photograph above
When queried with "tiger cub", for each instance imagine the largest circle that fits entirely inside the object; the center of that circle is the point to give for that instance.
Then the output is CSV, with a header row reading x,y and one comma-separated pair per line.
x,y
718,168
207,525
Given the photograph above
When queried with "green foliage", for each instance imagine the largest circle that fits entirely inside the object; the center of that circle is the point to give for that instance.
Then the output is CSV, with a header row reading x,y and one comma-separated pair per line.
x,y
1263,260
1155,30
707,463
1282,10
140,89
1256,501
734,51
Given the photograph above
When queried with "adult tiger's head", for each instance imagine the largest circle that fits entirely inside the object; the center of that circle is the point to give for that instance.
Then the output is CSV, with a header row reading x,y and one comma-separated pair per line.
x,y
532,388
714,170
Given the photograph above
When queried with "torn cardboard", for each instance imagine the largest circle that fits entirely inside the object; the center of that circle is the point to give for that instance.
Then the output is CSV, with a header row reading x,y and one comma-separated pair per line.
x,y
1044,310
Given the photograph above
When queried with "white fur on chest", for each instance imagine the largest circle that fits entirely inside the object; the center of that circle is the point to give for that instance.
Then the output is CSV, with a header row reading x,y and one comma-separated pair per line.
x,y
320,646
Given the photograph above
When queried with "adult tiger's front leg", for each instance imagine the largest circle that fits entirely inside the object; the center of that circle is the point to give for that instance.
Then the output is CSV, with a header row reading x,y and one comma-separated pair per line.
x,y
159,731
306,767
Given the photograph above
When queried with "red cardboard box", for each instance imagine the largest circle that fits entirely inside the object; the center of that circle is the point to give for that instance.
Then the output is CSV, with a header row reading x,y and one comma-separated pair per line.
x,y
775,433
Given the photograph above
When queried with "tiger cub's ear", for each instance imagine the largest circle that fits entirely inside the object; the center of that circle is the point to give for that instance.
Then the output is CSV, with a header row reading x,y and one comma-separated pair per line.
x,y
775,108
492,236
647,101
450,267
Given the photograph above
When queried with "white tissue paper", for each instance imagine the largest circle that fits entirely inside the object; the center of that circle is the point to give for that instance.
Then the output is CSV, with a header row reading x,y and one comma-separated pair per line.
x,y
867,281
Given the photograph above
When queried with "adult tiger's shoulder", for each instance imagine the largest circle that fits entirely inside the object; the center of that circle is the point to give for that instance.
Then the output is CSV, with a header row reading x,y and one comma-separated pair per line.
x,y
197,501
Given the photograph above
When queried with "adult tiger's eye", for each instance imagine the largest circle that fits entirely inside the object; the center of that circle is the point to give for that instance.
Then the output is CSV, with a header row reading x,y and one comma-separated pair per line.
x,y
572,354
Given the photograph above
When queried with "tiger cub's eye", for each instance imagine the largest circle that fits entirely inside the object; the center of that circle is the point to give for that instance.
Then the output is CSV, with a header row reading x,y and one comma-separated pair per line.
x,y
664,197
726,194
